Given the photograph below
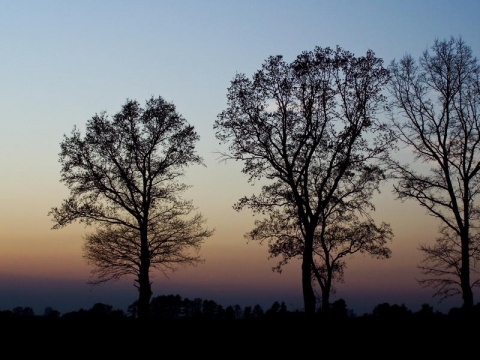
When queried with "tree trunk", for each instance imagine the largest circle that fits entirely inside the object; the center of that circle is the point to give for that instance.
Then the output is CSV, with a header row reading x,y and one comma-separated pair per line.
x,y
325,311
145,293
309,300
144,285
467,292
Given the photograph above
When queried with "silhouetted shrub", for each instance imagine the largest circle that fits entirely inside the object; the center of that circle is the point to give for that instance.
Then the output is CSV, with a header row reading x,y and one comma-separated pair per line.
x,y
387,311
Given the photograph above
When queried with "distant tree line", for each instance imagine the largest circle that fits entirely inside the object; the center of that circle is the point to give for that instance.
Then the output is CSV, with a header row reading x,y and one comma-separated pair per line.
x,y
174,307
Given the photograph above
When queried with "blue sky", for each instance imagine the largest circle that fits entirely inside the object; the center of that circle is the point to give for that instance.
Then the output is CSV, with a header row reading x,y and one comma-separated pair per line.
x,y
61,62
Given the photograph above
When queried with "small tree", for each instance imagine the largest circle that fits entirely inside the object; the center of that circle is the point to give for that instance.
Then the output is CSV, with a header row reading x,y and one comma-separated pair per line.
x,y
167,307
441,265
51,313
339,238
340,234
257,312
124,176
439,102
308,130
26,311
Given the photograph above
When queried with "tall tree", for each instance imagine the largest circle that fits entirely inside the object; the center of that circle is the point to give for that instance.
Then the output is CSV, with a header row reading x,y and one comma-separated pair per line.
x,y
438,99
124,176
308,130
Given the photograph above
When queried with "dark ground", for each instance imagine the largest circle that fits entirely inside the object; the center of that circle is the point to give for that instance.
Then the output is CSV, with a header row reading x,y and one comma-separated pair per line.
x,y
287,336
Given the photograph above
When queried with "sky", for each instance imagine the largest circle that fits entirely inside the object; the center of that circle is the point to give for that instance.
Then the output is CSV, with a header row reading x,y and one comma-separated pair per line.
x,y
62,62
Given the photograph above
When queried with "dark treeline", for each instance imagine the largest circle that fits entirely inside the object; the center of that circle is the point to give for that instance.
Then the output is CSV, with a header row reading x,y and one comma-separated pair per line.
x,y
174,307
203,327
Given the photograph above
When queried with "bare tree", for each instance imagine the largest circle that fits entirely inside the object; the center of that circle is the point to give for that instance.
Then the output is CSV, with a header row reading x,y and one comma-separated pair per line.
x,y
442,264
341,239
438,99
340,234
124,176
308,130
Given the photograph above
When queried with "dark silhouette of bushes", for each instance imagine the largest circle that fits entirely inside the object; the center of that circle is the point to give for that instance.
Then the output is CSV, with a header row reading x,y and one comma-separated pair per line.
x,y
175,308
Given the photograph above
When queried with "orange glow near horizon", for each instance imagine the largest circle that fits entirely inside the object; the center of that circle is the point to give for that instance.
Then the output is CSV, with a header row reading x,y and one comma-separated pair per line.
x,y
51,83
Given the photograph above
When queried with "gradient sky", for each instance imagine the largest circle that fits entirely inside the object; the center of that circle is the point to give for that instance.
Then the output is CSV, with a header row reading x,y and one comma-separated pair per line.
x,y
61,62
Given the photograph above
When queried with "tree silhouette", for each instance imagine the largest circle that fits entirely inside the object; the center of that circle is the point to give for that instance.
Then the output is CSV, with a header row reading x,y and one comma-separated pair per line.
x,y
308,131
25,311
51,313
339,235
439,102
257,311
167,307
124,177
441,265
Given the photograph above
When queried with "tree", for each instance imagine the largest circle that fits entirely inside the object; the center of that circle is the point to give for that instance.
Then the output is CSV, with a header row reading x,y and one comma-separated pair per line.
x,y
441,265
257,312
387,311
124,176
26,311
339,309
247,312
230,313
438,102
308,130
167,307
340,234
51,313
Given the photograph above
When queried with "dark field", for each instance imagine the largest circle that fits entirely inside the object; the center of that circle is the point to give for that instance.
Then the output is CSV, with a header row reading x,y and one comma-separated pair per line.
x,y
285,336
